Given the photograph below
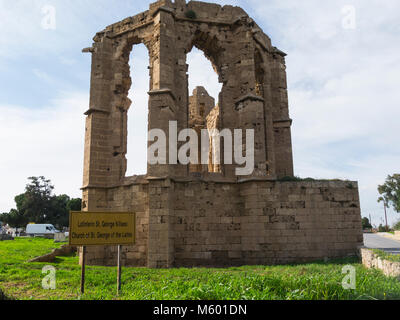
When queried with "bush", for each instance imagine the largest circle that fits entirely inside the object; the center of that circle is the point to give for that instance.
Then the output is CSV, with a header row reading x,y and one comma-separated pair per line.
x,y
190,14
3,296
295,178
386,256
382,228
289,178
397,226
366,224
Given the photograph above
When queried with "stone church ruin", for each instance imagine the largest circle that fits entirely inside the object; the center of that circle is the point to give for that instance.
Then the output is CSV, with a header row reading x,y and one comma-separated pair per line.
x,y
205,215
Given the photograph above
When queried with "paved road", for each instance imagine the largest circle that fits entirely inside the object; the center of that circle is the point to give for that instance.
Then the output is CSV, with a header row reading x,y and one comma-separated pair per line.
x,y
375,241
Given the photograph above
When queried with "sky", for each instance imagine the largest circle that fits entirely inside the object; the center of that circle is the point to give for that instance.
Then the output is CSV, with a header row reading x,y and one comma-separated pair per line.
x,y
343,68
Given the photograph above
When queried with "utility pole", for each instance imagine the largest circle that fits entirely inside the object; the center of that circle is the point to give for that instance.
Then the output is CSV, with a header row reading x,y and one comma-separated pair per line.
x,y
384,206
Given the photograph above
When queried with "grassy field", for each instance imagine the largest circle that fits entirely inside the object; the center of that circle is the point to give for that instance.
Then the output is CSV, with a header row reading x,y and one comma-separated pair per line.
x,y
387,256
22,280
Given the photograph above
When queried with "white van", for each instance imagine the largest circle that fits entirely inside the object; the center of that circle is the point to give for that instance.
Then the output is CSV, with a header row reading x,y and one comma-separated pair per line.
x,y
40,230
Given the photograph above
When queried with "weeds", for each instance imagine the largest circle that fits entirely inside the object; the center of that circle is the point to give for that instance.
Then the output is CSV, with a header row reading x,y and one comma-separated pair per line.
x,y
313,281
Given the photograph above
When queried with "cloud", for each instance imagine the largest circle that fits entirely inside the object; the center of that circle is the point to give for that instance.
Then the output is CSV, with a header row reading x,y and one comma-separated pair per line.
x,y
41,75
46,142
67,61
138,112
343,91
201,73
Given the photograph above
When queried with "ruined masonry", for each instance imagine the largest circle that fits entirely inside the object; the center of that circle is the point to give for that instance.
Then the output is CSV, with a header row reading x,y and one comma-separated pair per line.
x,y
196,215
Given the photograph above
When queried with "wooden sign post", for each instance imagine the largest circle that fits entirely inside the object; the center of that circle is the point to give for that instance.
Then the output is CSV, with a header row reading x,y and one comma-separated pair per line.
x,y
119,271
102,229
83,270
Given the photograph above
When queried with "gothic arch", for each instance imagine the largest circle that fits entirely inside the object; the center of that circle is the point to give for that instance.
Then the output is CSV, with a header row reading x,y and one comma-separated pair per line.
x,y
207,219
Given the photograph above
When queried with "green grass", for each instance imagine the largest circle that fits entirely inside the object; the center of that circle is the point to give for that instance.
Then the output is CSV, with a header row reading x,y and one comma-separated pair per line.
x,y
386,256
320,280
299,179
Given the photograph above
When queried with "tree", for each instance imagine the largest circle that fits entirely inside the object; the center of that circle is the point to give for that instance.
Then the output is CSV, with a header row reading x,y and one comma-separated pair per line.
x,y
74,205
390,192
39,205
382,228
59,216
366,224
14,219
35,204
61,206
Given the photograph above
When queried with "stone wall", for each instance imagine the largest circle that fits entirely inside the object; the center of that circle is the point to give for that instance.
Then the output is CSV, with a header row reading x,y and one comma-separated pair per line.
x,y
214,222
200,104
202,116
50,257
213,122
264,222
372,260
252,73
206,215
131,197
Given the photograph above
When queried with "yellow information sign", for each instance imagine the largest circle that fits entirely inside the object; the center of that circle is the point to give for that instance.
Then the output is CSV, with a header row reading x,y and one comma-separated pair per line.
x,y
102,228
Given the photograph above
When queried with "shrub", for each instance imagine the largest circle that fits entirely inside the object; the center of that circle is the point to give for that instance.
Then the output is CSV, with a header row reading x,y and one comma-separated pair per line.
x,y
366,224
386,256
190,14
289,178
3,296
382,228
